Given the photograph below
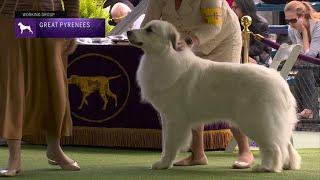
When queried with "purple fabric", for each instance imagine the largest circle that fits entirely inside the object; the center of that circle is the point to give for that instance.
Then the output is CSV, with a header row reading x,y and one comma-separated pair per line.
x,y
121,62
301,56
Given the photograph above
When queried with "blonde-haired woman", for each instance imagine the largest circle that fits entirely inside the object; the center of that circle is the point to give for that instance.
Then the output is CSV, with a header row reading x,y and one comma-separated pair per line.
x,y
304,29
33,85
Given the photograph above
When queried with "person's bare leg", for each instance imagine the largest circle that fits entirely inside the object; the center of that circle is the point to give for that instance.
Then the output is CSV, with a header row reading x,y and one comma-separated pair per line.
x,y
14,147
245,157
14,161
197,157
56,155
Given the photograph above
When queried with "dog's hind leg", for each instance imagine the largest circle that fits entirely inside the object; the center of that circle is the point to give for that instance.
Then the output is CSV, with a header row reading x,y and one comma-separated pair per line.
x,y
271,158
294,160
175,136
111,94
105,99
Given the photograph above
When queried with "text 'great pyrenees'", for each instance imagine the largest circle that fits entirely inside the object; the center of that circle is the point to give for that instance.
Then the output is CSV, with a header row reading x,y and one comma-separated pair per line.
x,y
187,90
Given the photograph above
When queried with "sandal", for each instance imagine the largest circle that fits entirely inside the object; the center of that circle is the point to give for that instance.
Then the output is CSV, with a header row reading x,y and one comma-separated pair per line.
x,y
69,167
242,165
10,172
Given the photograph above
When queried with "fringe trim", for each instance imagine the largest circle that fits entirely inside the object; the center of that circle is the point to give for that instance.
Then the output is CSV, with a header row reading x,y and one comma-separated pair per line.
x,y
130,138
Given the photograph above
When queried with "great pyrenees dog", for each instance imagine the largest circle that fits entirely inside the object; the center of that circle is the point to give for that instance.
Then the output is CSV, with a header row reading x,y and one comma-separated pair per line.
x,y
187,90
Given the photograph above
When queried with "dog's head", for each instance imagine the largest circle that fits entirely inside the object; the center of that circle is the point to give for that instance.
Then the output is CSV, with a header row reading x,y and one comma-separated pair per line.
x,y
156,35
19,24
74,79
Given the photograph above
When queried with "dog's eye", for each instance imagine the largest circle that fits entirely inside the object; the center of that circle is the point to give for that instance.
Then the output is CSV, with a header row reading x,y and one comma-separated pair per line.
x,y
149,29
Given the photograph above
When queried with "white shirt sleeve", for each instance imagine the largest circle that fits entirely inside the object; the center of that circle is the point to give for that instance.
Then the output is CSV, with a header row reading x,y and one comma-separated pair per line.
x,y
212,11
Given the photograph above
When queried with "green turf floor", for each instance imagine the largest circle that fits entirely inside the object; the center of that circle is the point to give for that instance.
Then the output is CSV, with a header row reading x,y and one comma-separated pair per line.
x,y
110,164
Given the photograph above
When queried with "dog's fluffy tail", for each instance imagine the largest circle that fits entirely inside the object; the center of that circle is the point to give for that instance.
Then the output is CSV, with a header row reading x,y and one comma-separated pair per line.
x,y
294,158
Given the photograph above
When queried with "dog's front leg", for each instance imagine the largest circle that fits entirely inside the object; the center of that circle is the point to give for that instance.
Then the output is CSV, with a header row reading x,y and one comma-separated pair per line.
x,y
83,101
175,135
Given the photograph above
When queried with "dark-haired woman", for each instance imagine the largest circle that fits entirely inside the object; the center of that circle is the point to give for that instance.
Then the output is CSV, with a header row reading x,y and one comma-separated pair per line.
x,y
258,52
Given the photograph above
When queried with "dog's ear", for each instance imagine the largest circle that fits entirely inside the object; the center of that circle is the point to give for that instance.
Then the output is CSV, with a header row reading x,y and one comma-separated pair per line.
x,y
174,36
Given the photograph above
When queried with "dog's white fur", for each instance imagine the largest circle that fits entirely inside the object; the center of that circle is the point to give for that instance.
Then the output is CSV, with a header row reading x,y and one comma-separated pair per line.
x,y
187,90
24,27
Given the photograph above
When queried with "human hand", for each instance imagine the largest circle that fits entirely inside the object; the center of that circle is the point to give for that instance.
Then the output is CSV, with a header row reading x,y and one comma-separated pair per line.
x,y
251,60
70,46
300,25
182,45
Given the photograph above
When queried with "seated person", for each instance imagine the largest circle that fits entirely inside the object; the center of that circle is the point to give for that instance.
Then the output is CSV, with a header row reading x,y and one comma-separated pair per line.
x,y
120,10
259,53
124,6
304,29
281,37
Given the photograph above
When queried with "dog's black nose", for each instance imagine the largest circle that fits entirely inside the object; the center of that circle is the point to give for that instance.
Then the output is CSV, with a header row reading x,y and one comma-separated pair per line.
x,y
129,33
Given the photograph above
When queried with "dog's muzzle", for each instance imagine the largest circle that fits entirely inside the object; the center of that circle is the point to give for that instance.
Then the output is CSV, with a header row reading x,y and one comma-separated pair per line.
x,y
132,40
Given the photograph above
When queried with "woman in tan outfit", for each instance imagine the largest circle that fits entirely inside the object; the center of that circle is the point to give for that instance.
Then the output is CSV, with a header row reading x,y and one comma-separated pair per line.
x,y
214,30
33,85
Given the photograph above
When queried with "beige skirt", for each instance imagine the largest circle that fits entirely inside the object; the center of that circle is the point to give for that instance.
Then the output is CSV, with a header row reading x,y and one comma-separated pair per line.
x,y
33,85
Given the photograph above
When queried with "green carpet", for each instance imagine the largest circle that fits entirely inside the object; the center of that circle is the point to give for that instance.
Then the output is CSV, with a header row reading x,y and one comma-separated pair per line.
x,y
103,163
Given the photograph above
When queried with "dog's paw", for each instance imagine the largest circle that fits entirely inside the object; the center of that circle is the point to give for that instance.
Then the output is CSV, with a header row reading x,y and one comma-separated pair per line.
x,y
286,167
261,168
161,165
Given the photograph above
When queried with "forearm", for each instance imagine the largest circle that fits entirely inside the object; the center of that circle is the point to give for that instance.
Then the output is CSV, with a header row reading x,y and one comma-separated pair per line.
x,y
305,40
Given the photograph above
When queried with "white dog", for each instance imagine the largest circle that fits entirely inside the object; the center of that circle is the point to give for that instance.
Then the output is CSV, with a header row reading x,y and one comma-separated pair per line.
x,y
187,90
24,27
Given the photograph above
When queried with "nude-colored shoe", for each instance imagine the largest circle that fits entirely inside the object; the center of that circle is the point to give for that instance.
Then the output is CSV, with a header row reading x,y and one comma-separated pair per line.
x,y
69,167
52,162
190,162
10,172
242,165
